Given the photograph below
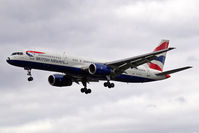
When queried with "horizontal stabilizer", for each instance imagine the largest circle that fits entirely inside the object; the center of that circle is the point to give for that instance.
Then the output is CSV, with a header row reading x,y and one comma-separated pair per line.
x,y
173,71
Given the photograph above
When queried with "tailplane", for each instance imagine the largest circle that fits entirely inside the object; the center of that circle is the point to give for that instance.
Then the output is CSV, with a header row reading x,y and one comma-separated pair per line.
x,y
173,71
158,63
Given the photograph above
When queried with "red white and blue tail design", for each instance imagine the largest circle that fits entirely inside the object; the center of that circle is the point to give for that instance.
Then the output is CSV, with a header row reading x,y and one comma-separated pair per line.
x,y
158,63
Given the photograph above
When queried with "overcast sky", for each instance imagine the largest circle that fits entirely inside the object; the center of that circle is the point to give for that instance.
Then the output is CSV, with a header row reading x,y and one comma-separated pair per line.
x,y
107,30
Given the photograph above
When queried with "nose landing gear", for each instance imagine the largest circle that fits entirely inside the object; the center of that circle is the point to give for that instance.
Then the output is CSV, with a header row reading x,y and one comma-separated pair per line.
x,y
30,78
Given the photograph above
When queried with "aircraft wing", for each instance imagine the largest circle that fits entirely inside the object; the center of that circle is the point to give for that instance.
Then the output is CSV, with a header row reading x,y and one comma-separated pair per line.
x,y
120,66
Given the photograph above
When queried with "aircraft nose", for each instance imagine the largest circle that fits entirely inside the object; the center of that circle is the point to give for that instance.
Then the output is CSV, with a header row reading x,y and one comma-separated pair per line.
x,y
8,60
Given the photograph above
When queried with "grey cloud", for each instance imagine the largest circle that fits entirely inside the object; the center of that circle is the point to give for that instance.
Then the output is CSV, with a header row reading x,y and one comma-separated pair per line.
x,y
99,29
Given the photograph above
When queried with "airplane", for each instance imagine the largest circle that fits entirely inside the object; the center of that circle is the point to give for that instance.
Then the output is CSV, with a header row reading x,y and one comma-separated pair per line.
x,y
139,69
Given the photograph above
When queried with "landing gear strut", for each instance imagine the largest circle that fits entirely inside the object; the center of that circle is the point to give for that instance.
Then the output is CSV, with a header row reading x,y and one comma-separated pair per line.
x,y
30,78
108,84
85,89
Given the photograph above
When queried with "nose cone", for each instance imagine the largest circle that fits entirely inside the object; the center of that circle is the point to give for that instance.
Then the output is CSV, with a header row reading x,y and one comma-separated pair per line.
x,y
8,60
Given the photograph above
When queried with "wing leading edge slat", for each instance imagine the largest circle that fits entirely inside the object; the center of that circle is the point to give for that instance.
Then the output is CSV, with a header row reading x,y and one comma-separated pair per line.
x,y
128,60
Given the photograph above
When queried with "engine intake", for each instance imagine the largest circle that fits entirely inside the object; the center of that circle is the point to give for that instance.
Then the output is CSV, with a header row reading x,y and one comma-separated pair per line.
x,y
99,69
59,80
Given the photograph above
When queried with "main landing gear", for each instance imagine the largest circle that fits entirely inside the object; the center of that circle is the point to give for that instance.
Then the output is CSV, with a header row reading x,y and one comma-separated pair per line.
x,y
108,84
30,78
85,89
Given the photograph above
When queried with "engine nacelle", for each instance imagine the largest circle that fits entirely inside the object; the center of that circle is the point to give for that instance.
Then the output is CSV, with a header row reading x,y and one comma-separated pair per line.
x,y
99,69
59,80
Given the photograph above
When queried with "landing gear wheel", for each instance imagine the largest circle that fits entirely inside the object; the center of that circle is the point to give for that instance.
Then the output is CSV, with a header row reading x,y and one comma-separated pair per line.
x,y
109,85
30,79
105,84
82,90
88,91
112,85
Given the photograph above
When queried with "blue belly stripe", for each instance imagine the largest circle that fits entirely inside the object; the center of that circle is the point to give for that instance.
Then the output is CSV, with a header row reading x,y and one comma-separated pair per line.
x,y
76,71
132,79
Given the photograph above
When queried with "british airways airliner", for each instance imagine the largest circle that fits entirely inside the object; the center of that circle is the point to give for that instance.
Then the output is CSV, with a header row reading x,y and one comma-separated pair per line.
x,y
143,68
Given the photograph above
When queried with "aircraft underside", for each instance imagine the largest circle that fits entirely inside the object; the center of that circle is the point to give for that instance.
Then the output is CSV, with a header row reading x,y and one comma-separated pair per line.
x,y
77,74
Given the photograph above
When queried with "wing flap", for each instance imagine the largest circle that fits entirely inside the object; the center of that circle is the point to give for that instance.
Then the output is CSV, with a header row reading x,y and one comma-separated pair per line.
x,y
134,64
121,65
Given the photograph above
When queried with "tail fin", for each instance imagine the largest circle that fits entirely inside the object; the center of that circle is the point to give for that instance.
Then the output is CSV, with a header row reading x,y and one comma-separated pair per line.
x,y
158,63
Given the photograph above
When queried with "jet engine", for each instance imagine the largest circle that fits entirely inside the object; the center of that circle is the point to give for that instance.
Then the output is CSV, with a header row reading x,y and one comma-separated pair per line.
x,y
99,69
59,80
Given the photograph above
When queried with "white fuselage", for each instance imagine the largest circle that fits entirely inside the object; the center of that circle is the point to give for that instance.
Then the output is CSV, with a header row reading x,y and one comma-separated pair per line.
x,y
78,66
138,69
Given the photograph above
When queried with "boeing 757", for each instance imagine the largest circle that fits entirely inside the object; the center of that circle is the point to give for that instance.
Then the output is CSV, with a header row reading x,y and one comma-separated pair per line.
x,y
143,68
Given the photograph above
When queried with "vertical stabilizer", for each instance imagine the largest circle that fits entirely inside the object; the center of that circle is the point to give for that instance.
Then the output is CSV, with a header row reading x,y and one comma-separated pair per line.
x,y
158,63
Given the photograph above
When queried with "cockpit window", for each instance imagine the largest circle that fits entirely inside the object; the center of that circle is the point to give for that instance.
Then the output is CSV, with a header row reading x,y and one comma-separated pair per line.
x,y
17,53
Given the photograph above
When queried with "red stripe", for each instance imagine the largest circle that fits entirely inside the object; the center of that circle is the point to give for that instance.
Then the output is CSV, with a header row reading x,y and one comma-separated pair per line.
x,y
35,52
154,66
164,45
